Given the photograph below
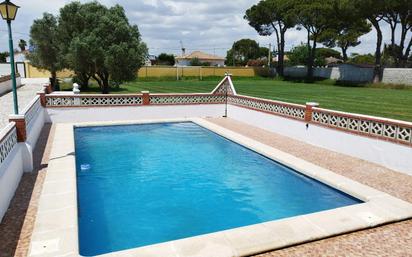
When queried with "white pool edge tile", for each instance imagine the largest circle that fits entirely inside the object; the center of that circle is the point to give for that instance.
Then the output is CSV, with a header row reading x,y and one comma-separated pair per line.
x,y
378,207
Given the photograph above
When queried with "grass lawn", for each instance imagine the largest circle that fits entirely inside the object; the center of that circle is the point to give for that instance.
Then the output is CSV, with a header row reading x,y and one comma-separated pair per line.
x,y
377,101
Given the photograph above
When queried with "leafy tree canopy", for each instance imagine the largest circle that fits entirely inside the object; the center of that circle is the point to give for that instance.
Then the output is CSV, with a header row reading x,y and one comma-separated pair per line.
x,y
315,16
166,59
300,54
348,26
244,50
3,56
22,44
90,39
273,17
43,34
362,59
325,52
101,43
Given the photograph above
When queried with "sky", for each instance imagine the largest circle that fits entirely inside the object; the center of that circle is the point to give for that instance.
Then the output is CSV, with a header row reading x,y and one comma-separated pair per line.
x,y
210,26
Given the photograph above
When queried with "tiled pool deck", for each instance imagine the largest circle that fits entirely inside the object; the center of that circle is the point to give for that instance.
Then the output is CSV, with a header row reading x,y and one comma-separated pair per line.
x,y
389,240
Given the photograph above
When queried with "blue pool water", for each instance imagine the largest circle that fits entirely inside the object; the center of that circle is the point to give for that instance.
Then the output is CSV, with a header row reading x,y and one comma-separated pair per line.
x,y
146,184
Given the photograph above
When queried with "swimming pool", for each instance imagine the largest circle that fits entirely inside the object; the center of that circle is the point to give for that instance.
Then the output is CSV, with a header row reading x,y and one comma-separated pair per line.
x,y
150,183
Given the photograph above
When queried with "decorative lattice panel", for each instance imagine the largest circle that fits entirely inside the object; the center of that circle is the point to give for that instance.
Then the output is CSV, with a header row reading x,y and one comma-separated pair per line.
x,y
267,106
60,101
67,101
372,127
30,115
7,143
186,99
222,89
116,101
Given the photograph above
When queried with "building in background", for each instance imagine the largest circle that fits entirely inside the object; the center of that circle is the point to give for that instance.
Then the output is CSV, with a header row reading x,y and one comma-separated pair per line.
x,y
211,60
18,56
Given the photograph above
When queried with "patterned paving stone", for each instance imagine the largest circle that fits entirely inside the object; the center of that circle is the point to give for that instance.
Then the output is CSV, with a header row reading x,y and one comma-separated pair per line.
x,y
17,225
24,95
389,240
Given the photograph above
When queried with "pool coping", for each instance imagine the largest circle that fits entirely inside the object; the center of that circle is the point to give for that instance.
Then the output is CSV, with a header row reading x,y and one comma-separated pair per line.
x,y
55,231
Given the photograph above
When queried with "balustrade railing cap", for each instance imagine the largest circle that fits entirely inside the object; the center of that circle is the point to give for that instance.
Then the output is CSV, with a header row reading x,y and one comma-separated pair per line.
x,y
145,92
313,104
16,116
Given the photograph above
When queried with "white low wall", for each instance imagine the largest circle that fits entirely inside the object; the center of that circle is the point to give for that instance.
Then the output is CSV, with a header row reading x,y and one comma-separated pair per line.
x,y
342,73
391,155
397,76
11,170
34,131
6,86
19,160
133,113
355,74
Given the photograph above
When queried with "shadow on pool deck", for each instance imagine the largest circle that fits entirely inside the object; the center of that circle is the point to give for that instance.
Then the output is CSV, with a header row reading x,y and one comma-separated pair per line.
x,y
17,224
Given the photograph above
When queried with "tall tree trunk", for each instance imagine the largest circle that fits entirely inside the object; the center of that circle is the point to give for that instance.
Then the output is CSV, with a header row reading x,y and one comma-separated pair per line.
x,y
405,56
377,72
311,58
345,53
53,81
279,69
103,79
281,54
309,62
105,86
83,78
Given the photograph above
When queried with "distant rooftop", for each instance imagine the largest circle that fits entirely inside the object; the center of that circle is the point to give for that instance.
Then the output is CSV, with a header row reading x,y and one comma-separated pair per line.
x,y
201,56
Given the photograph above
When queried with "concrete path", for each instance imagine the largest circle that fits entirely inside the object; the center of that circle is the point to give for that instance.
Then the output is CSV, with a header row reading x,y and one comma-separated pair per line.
x,y
25,94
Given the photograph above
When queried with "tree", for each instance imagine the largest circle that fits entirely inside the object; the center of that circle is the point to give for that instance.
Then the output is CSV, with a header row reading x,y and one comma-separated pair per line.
x,y
348,27
74,52
316,16
22,44
404,8
3,56
166,59
273,16
399,12
325,52
43,34
242,51
362,59
100,43
373,11
299,55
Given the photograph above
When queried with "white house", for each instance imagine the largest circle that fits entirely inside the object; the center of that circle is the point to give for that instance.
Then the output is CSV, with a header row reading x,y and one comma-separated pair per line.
x,y
212,60
18,56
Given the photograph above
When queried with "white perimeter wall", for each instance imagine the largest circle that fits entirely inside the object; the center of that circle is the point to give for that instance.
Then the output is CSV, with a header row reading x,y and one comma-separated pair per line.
x,y
11,171
354,73
19,160
391,155
133,113
394,156
6,85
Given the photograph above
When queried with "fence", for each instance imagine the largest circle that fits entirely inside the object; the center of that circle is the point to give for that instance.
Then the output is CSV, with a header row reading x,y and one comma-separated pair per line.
x,y
165,71
200,72
384,129
352,73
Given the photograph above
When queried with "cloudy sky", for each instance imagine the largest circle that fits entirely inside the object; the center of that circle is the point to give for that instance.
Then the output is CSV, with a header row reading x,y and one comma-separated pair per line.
x,y
211,26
